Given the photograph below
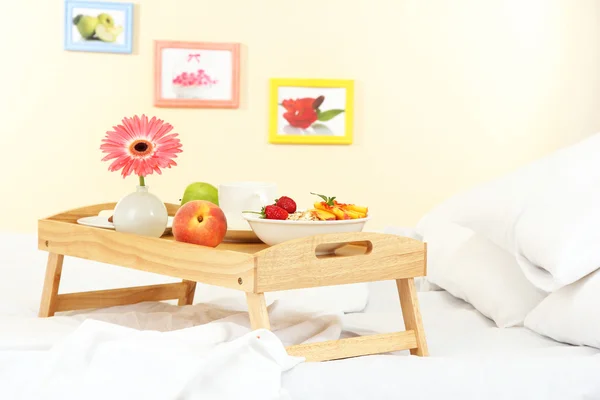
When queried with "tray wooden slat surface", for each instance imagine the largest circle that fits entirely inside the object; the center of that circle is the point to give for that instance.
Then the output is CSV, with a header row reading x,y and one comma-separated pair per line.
x,y
254,268
166,257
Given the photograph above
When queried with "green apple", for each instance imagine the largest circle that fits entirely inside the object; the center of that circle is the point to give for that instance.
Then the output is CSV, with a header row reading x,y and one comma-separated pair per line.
x,y
108,34
86,25
106,20
201,191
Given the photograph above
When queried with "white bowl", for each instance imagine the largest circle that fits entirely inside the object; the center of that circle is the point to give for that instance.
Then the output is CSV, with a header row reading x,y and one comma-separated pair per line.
x,y
272,231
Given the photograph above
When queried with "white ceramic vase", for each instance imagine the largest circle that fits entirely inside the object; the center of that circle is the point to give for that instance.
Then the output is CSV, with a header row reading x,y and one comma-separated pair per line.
x,y
141,213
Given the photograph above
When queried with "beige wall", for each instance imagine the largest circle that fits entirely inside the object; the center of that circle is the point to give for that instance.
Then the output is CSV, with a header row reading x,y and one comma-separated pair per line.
x,y
449,93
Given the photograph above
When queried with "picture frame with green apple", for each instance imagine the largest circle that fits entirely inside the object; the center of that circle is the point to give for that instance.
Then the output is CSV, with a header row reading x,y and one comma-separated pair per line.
x,y
104,27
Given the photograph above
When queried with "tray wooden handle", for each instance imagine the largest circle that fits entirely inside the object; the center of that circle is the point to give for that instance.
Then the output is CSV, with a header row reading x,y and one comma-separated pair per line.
x,y
327,245
300,263
344,237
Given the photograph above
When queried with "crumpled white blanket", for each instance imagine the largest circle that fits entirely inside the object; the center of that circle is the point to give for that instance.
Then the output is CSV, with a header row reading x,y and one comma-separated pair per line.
x,y
158,351
214,355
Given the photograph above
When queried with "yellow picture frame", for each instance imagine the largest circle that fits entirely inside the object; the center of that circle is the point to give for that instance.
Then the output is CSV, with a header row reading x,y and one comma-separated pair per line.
x,y
296,124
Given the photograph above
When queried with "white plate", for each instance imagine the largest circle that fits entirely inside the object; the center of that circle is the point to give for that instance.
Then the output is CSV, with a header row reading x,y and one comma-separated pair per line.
x,y
99,221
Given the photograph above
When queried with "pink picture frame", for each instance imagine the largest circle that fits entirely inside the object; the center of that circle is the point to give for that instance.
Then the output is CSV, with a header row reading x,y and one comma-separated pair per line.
x,y
196,74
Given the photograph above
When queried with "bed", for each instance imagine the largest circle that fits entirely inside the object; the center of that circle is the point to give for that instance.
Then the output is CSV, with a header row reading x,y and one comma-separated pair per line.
x,y
470,357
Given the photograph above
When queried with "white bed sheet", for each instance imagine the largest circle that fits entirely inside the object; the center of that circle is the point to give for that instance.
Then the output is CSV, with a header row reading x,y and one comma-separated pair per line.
x,y
470,357
454,328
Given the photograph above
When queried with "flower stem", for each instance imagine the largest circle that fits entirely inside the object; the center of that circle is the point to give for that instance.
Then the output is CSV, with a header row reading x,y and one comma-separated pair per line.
x,y
142,181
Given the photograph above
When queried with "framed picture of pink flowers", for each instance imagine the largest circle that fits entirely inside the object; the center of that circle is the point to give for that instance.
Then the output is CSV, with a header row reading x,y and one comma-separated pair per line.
x,y
197,75
311,111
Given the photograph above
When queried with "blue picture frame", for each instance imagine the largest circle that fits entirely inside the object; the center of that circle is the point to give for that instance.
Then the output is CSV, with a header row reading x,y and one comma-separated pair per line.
x,y
95,45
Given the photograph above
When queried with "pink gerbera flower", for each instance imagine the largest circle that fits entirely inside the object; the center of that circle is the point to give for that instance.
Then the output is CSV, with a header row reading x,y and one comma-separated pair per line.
x,y
141,146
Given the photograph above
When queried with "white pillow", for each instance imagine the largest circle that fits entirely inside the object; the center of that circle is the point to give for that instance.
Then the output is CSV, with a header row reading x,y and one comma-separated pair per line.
x,y
474,269
494,210
557,240
571,314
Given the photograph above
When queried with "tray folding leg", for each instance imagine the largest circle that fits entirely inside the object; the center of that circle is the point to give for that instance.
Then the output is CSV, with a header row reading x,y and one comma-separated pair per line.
x,y
53,302
257,310
413,338
411,314
51,283
187,297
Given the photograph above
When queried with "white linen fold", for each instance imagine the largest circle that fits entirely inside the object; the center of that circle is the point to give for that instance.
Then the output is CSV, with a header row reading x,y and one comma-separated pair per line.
x,y
160,351
214,361
210,353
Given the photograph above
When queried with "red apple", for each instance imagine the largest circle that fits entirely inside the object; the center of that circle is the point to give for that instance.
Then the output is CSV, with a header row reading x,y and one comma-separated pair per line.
x,y
200,222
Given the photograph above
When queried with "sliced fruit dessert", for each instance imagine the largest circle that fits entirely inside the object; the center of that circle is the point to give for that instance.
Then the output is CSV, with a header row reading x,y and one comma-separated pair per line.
x,y
329,209
323,215
340,210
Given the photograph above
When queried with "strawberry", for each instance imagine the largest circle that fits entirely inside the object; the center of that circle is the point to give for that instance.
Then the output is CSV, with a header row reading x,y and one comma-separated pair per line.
x,y
275,212
271,212
286,203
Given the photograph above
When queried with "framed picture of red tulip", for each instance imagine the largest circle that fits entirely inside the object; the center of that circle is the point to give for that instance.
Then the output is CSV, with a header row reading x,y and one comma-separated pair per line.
x,y
311,111
196,75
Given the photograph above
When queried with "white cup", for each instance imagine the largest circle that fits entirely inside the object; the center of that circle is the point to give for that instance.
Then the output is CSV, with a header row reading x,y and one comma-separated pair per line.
x,y
236,197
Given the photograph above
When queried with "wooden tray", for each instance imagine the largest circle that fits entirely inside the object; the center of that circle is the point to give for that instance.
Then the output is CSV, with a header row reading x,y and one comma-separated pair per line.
x,y
253,268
